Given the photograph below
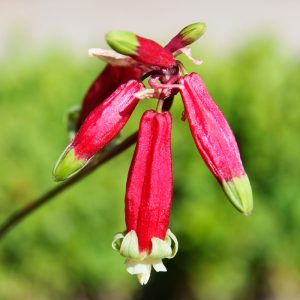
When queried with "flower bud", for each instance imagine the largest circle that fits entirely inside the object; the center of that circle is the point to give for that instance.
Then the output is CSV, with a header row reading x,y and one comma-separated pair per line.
x,y
147,239
98,129
186,36
215,142
141,49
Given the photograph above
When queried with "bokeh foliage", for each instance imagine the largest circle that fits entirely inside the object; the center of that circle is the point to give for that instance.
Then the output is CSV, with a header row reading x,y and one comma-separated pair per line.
x,y
63,250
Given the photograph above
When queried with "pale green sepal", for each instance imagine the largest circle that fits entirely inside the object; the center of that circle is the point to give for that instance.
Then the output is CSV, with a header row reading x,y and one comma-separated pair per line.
x,y
239,192
171,238
164,249
117,241
67,165
130,246
123,42
192,32
160,249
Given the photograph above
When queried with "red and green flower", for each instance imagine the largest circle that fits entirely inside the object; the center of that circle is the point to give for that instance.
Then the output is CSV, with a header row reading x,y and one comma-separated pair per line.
x,y
107,107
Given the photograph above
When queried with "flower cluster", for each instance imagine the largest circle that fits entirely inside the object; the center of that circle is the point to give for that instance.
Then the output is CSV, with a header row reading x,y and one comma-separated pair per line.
x,y
107,107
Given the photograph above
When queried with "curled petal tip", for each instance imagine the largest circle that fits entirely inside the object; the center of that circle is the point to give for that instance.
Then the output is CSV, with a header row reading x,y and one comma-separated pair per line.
x,y
67,165
239,192
123,42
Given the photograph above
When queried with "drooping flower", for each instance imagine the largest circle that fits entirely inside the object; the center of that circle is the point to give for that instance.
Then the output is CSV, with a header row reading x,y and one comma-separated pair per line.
x,y
147,239
105,111
215,142
99,128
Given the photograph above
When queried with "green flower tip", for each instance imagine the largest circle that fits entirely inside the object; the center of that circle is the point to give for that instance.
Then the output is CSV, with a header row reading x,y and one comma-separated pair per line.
x,y
67,165
239,193
123,42
192,32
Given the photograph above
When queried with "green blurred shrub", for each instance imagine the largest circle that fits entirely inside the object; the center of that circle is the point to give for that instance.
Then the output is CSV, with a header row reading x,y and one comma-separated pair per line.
x,y
63,251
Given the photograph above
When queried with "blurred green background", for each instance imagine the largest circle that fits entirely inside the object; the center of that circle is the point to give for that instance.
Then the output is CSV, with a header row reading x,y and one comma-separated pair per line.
x,y
63,251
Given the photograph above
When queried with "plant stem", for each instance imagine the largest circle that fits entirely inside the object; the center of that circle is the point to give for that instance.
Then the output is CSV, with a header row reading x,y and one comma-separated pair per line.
x,y
159,106
21,214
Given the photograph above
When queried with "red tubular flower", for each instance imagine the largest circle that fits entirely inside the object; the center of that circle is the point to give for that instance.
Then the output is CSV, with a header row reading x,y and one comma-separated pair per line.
x,y
148,199
99,128
104,85
215,142
147,239
149,184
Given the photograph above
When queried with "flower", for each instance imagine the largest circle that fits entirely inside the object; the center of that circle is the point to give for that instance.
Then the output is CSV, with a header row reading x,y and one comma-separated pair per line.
x,y
147,239
215,142
107,107
99,128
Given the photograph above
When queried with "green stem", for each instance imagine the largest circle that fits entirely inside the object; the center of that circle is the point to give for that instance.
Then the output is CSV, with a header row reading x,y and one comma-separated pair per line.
x,y
21,214
159,106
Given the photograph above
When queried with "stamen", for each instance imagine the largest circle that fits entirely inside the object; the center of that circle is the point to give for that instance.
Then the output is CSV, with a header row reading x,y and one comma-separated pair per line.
x,y
153,83
148,93
188,53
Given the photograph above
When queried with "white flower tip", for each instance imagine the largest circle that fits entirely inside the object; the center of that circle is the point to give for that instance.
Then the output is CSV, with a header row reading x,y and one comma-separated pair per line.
x,y
159,266
143,268
143,278
112,57
136,267
140,263
92,52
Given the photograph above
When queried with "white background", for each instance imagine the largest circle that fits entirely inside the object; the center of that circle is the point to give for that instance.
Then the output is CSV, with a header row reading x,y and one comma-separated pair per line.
x,y
82,23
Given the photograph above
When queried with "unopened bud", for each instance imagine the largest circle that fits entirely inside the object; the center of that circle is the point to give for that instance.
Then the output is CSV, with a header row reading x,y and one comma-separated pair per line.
x,y
68,164
123,42
187,36
143,50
